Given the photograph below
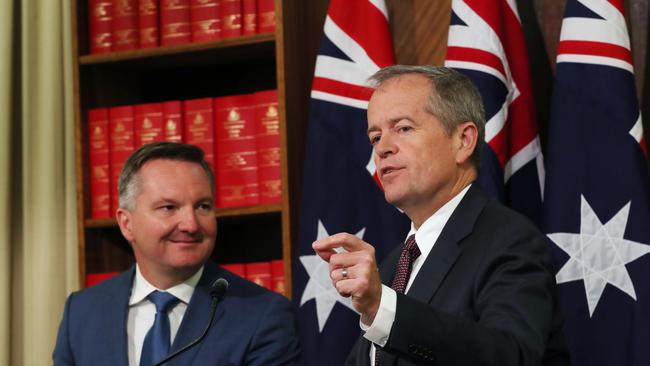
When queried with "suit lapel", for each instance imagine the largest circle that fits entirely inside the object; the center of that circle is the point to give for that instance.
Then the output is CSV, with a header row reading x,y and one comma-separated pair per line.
x,y
446,251
117,312
196,316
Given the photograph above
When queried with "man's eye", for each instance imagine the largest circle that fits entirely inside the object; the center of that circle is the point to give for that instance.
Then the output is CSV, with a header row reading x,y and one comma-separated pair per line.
x,y
404,128
374,140
205,206
167,207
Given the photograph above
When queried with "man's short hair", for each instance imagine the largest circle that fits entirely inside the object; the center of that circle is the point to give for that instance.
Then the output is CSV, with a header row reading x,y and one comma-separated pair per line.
x,y
128,181
453,99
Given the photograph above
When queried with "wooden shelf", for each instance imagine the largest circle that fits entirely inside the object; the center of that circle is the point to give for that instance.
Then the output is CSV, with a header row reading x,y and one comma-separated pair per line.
x,y
220,213
189,48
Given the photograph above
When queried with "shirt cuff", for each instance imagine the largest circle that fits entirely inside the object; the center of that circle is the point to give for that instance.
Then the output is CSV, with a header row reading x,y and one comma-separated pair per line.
x,y
379,330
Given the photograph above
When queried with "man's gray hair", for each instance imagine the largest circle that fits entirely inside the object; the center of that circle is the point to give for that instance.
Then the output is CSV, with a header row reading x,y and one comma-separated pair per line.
x,y
453,99
128,187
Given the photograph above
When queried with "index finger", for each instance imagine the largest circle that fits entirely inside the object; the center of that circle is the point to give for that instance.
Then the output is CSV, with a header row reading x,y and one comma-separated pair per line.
x,y
331,244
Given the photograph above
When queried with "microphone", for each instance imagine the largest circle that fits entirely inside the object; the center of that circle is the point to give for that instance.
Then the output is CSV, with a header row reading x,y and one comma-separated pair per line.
x,y
217,292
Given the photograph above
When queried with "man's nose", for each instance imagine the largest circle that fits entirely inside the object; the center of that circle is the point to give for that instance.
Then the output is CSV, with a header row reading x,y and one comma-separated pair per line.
x,y
385,146
188,221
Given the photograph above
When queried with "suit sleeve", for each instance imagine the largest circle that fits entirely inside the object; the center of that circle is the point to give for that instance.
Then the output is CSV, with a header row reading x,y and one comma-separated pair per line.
x,y
275,341
62,355
513,307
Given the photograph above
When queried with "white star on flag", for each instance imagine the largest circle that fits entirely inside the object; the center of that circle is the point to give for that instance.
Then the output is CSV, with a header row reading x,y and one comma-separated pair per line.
x,y
599,254
320,286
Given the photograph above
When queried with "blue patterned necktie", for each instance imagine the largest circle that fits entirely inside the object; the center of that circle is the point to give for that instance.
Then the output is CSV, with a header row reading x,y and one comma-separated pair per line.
x,y
156,342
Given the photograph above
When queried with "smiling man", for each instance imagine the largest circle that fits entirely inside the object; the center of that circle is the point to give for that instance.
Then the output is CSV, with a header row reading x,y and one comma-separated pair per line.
x,y
472,284
161,304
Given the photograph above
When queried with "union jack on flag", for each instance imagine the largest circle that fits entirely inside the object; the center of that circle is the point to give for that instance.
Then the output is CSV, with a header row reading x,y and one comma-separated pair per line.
x,y
339,191
597,196
486,43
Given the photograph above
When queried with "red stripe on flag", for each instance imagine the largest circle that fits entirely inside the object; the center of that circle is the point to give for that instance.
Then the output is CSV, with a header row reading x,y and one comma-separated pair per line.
x,y
372,33
491,12
341,89
521,113
595,49
618,4
499,146
644,147
455,53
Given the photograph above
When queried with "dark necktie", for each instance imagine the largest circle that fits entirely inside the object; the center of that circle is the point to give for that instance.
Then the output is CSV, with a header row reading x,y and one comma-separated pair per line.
x,y
410,253
156,342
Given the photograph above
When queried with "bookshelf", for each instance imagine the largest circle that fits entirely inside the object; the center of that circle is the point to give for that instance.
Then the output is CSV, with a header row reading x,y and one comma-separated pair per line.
x,y
282,60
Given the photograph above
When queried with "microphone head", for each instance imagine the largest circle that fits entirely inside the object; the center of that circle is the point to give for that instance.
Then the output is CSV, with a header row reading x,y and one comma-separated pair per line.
x,y
219,288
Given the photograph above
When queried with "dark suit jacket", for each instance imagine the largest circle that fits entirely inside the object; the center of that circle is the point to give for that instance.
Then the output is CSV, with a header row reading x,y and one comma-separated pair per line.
x,y
252,325
485,295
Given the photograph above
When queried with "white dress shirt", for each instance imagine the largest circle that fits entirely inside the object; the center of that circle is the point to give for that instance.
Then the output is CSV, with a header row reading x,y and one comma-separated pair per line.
x,y
142,312
425,237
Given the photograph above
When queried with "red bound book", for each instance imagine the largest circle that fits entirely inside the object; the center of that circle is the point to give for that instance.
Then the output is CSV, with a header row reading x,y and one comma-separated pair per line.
x,y
260,273
125,25
249,17
236,153
231,22
277,276
267,121
149,35
175,22
173,121
199,126
95,278
237,268
100,23
206,20
121,146
265,16
148,119
98,159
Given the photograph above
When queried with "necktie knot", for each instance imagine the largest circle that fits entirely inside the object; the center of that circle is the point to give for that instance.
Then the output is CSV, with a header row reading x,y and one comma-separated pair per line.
x,y
411,247
162,300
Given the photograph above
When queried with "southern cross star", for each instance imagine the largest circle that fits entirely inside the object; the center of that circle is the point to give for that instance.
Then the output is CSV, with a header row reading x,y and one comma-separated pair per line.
x,y
599,254
320,286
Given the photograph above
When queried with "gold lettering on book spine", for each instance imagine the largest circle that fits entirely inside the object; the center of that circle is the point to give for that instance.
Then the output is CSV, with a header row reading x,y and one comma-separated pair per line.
x,y
147,7
101,11
234,124
232,21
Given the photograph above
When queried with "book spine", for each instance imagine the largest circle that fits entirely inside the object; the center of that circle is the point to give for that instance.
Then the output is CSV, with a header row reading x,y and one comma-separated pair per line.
x,y
236,153
199,126
125,25
237,268
259,273
175,22
121,146
95,278
148,13
277,276
265,16
98,159
173,121
267,119
249,17
231,18
148,119
100,24
206,20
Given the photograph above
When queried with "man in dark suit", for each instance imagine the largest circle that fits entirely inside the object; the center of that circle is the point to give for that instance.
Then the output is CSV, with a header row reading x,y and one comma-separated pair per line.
x,y
472,285
166,212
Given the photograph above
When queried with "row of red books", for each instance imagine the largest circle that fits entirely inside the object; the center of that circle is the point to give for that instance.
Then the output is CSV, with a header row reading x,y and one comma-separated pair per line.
x,y
120,25
266,274
239,135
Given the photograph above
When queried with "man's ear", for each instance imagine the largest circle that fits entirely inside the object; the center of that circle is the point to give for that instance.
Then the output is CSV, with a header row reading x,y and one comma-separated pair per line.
x,y
467,134
124,221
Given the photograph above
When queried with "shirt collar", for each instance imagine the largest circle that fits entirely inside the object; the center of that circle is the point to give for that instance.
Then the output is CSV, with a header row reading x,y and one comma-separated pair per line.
x,y
430,230
142,288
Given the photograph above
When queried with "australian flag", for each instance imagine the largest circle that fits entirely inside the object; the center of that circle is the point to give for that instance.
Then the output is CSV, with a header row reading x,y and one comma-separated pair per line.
x,y
486,43
597,201
340,192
